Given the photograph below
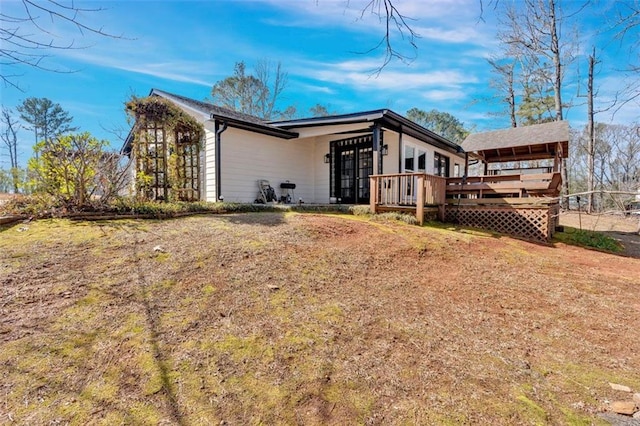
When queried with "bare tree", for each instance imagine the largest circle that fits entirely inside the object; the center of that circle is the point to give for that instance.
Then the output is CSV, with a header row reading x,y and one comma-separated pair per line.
x,y
394,22
26,40
592,134
274,79
503,83
534,33
255,94
9,136
628,21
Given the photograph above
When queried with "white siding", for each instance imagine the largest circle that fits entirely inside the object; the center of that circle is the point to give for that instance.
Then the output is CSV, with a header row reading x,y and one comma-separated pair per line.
x,y
209,162
321,147
430,150
248,157
391,160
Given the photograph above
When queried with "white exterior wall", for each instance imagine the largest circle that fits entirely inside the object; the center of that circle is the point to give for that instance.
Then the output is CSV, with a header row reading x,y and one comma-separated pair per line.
x,y
430,150
209,164
322,170
391,161
248,157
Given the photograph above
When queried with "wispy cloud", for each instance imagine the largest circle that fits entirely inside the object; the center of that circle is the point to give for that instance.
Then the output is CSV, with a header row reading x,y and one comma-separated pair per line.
x,y
438,95
358,75
179,70
316,88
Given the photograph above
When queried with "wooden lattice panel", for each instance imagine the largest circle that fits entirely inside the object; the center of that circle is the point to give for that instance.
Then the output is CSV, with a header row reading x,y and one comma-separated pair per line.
x,y
530,223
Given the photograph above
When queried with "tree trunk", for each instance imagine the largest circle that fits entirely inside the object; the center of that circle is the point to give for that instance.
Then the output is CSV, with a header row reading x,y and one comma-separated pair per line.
x,y
557,88
512,98
592,139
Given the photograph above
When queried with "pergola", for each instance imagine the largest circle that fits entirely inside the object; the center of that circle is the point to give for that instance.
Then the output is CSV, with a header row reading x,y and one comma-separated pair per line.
x,y
536,142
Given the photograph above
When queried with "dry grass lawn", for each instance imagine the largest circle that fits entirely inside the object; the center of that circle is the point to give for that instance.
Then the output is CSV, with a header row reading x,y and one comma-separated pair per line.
x,y
288,318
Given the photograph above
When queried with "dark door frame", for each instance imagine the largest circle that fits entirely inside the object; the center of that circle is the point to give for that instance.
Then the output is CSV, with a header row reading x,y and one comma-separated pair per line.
x,y
358,171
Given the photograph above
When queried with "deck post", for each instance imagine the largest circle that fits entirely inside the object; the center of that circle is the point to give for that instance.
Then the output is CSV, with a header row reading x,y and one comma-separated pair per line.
x,y
373,194
420,200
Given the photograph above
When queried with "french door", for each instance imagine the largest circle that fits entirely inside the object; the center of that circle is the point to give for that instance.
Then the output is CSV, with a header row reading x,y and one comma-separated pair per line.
x,y
352,164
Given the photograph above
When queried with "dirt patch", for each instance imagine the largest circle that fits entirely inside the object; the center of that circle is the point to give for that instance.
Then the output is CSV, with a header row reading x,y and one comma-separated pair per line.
x,y
308,319
625,229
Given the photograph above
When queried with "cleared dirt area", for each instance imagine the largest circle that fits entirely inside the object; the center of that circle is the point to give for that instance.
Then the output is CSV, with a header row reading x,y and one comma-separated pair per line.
x,y
288,318
625,229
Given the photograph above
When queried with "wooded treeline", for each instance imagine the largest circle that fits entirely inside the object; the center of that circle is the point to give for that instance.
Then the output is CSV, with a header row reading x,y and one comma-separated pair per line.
x,y
542,69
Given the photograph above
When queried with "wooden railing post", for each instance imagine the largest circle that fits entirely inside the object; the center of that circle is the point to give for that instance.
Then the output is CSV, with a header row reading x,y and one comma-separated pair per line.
x,y
441,197
420,199
373,194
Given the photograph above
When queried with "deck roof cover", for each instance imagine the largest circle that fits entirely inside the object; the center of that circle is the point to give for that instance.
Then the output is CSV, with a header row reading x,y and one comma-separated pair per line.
x,y
535,142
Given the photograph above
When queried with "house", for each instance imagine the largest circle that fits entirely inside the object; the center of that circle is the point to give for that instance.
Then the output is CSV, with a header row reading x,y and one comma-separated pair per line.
x,y
375,157
328,159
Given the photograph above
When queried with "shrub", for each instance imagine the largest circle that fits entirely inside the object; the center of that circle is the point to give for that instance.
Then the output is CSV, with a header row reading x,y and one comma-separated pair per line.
x,y
360,210
591,239
402,217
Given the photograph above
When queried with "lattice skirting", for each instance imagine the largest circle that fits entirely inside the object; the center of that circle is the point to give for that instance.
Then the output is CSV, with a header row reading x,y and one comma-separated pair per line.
x,y
530,223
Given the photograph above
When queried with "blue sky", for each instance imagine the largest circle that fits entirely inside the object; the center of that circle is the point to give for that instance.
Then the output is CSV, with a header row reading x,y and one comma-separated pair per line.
x,y
184,47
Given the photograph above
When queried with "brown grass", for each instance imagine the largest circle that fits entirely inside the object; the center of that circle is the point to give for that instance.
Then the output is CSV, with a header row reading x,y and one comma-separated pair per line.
x,y
307,319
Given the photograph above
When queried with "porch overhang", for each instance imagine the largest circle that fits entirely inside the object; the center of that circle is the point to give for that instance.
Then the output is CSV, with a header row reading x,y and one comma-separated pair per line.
x,y
536,142
387,119
522,153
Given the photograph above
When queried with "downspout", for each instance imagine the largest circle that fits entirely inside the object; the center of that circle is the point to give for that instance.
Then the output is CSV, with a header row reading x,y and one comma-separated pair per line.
x,y
400,149
219,131
377,146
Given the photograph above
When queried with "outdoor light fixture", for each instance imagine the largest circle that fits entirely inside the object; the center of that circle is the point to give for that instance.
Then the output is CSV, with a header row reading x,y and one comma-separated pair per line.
x,y
327,158
385,149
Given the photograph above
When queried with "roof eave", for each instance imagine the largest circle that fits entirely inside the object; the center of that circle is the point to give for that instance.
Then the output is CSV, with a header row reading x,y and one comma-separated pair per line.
x,y
265,130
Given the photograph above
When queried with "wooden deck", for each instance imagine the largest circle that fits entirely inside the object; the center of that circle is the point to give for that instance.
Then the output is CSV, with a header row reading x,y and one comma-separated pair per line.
x,y
523,205
412,192
516,185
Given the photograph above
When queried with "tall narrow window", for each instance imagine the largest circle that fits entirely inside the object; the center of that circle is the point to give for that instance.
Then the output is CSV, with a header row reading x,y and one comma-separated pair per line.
x,y
440,165
422,161
409,159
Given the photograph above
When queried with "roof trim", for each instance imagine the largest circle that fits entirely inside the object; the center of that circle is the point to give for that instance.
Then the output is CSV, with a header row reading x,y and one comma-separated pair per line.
x,y
251,127
386,117
232,118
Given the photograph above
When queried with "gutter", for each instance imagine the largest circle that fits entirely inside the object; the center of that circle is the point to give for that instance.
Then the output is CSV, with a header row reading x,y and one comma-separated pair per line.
x,y
219,131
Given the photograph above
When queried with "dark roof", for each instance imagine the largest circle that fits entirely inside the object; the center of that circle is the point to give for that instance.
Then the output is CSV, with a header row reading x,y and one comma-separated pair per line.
x,y
534,142
386,117
285,129
231,117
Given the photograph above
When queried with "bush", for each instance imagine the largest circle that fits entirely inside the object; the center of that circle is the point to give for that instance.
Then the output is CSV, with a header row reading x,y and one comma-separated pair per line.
x,y
360,210
36,205
591,239
77,170
402,217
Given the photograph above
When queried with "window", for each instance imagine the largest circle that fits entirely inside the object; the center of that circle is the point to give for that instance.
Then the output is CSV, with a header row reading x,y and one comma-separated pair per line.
x,y
409,160
440,165
422,161
456,170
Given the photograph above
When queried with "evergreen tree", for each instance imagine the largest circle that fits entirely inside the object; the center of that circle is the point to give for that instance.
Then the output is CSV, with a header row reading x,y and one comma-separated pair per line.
x,y
46,119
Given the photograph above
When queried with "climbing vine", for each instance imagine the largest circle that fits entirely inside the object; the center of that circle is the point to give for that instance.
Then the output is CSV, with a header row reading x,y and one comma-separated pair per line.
x,y
161,132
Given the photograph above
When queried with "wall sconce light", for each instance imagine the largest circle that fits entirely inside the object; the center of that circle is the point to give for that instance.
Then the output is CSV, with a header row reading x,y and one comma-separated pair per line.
x,y
327,158
385,149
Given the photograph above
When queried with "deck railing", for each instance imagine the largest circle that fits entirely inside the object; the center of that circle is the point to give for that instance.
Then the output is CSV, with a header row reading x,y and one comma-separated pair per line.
x,y
523,205
517,185
412,190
